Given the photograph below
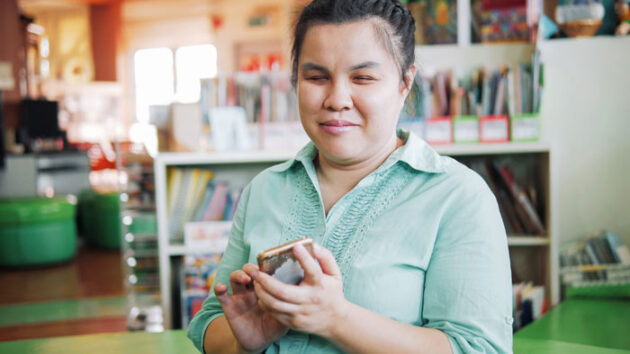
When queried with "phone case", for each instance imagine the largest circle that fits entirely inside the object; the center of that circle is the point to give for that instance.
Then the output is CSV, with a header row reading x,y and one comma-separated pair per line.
x,y
280,263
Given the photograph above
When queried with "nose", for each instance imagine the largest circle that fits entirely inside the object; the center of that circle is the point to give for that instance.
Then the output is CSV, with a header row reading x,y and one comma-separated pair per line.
x,y
338,98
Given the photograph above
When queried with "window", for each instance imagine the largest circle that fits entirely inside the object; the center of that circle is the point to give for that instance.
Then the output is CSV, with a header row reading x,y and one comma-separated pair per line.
x,y
153,69
159,82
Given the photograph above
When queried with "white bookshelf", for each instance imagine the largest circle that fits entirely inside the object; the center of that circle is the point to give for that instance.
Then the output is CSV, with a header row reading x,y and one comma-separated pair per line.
x,y
237,167
240,167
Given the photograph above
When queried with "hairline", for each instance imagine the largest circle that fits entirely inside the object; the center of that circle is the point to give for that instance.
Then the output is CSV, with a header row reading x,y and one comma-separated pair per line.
x,y
383,30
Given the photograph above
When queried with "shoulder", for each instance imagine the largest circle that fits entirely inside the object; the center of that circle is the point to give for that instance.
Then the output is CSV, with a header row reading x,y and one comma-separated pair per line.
x,y
462,178
272,181
456,187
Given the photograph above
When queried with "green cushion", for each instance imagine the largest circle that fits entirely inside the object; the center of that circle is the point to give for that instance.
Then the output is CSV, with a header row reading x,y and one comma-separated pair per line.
x,y
99,221
35,244
16,211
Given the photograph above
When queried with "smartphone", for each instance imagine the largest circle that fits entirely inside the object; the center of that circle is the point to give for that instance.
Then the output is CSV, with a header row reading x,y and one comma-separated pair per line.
x,y
280,263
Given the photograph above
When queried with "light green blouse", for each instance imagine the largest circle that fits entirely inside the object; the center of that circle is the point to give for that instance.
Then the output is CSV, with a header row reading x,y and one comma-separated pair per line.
x,y
419,240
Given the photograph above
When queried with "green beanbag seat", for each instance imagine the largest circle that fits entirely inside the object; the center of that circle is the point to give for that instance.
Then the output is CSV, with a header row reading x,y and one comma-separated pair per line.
x,y
36,231
99,221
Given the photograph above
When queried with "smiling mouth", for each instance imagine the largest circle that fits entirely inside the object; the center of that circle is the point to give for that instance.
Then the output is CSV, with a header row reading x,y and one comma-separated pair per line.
x,y
338,124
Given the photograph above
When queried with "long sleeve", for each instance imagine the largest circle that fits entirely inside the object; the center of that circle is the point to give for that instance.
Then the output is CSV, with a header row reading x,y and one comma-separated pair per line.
x,y
468,281
235,255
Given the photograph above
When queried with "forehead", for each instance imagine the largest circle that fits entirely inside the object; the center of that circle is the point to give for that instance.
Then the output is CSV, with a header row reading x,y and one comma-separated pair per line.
x,y
347,43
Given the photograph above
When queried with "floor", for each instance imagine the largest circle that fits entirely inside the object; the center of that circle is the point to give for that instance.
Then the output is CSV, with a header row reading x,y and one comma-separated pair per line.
x,y
83,296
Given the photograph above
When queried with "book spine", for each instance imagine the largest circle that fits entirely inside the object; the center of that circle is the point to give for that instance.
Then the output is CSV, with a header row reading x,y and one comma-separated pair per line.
x,y
529,213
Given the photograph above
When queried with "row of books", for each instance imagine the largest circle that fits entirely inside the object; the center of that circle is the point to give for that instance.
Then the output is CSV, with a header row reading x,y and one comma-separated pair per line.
x,y
604,247
513,90
518,204
193,195
529,303
197,275
266,97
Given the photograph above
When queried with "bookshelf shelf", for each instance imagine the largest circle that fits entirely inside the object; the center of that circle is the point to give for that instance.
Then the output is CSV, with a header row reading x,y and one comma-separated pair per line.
x,y
202,158
528,241
491,149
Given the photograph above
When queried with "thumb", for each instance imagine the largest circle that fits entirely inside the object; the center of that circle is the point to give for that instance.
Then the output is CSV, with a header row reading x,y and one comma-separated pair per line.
x,y
221,291
327,261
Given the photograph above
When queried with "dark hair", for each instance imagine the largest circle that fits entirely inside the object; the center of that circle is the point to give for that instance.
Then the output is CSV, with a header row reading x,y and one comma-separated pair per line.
x,y
398,33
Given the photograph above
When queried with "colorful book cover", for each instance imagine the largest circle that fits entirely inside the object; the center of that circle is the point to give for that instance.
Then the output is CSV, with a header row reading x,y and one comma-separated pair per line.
x,y
440,22
505,25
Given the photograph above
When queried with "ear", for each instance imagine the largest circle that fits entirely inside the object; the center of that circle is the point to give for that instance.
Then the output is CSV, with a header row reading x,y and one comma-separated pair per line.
x,y
408,79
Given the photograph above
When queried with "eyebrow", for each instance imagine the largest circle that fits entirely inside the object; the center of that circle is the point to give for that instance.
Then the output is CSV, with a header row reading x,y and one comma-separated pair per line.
x,y
313,66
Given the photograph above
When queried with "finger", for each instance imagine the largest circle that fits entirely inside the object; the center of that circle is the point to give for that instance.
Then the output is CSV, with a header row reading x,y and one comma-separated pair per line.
x,y
270,303
327,261
220,290
239,280
251,270
285,292
312,270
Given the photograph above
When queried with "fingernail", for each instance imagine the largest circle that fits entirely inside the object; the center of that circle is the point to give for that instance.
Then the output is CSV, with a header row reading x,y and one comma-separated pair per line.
x,y
255,274
299,248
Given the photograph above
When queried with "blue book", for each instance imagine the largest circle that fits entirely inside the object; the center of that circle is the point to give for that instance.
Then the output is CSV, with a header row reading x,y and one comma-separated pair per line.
x,y
207,196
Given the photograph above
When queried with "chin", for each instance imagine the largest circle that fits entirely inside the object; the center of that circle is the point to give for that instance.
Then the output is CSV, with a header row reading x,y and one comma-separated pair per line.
x,y
341,152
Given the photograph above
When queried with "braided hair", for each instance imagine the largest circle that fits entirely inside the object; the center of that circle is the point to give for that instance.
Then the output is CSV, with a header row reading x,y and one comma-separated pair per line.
x,y
394,24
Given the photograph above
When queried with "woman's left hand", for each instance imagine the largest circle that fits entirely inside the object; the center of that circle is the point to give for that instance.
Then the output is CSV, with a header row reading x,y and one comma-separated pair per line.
x,y
316,305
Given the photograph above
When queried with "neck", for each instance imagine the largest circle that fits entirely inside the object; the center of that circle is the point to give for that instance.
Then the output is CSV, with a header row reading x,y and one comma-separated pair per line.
x,y
346,175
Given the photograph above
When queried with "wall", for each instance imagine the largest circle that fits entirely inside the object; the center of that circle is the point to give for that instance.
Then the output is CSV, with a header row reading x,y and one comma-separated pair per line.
x,y
173,24
105,27
586,119
11,45
68,31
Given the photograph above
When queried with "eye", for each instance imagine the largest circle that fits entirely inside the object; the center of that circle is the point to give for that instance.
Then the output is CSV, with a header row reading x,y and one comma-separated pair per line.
x,y
316,78
363,78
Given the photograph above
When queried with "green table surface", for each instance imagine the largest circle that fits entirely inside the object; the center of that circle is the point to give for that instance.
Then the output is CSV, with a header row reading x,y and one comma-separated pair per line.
x,y
599,323
119,343
574,327
542,346
176,342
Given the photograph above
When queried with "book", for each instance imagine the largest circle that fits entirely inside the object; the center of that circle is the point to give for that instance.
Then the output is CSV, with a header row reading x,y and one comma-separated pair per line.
x,y
590,250
510,220
620,251
174,183
198,194
205,201
440,22
603,249
177,213
192,193
528,302
524,207
215,209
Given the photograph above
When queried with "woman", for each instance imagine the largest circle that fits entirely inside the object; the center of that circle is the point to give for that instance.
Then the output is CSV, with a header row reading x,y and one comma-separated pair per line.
x,y
413,254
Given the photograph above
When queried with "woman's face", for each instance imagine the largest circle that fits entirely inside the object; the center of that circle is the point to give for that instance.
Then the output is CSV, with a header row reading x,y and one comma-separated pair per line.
x,y
350,91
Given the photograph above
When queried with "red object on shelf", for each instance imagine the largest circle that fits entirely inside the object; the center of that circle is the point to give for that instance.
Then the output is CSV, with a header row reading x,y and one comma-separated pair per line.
x,y
494,129
501,4
439,130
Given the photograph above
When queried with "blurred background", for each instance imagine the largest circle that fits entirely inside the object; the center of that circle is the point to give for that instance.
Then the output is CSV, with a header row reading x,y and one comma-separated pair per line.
x,y
129,128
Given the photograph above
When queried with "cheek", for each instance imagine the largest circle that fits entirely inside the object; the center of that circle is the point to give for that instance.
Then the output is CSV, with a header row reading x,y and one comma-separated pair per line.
x,y
310,99
379,107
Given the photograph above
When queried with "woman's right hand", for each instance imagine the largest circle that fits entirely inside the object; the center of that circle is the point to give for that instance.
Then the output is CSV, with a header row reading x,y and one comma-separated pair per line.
x,y
254,328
